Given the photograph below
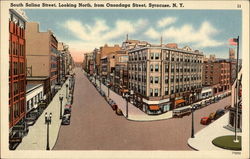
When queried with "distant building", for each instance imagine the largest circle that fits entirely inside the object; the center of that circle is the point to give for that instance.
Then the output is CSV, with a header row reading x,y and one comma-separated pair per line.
x,y
217,74
42,57
231,54
164,78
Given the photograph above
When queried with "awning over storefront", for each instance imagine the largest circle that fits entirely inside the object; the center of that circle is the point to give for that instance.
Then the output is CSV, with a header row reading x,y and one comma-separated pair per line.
x,y
124,90
154,107
179,101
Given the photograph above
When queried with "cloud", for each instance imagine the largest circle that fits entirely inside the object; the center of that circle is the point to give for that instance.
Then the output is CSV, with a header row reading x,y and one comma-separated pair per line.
x,y
187,34
166,21
152,33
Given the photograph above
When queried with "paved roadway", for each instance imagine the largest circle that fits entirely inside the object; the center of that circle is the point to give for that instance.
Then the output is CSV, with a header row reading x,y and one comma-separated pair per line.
x,y
95,126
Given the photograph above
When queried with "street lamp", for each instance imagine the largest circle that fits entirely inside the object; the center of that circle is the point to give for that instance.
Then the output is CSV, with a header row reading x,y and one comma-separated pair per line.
x,y
192,129
48,122
61,99
67,90
132,94
126,97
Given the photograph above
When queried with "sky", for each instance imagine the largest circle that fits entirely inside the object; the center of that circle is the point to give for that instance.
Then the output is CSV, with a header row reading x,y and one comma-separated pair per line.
x,y
85,30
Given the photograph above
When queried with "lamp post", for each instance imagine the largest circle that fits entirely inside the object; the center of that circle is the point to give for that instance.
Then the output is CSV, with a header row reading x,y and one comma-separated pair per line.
x,y
61,99
126,97
48,122
192,129
132,94
67,90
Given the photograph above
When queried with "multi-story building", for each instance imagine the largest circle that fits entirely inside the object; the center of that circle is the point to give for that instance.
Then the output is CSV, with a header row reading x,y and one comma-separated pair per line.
x,y
65,62
105,51
89,63
17,76
217,74
121,72
164,78
41,57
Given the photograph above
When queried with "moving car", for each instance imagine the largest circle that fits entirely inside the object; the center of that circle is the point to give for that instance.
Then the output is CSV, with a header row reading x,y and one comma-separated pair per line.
x,y
205,121
180,112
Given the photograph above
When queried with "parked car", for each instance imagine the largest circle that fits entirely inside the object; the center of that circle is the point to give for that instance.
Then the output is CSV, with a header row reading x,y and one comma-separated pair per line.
x,y
227,107
219,113
113,106
102,93
68,106
196,106
118,111
30,121
205,121
66,119
211,116
208,102
67,111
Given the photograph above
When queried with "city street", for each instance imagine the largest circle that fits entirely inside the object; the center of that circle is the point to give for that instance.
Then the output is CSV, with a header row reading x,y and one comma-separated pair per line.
x,y
95,126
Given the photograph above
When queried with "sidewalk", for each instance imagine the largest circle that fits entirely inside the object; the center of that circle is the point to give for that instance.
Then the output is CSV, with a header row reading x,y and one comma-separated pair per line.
x,y
203,138
37,136
134,113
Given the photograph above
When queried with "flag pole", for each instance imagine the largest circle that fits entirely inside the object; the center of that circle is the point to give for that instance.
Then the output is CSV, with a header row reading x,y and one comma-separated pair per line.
x,y
237,87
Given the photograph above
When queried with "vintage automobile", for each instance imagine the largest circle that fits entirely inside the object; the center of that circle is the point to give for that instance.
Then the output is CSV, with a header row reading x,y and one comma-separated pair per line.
x,y
66,119
118,111
219,113
205,120
180,112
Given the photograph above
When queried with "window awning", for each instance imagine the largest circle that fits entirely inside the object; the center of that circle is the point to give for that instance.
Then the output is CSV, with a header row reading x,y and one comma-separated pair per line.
x,y
124,90
179,101
154,107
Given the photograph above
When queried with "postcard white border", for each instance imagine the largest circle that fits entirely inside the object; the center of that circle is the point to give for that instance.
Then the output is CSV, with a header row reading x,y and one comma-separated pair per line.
x,y
214,5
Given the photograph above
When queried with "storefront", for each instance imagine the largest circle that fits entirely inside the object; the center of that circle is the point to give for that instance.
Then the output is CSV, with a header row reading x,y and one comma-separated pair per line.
x,y
155,107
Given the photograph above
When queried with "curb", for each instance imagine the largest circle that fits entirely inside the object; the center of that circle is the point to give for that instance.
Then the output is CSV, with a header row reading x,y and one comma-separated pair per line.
x,y
192,147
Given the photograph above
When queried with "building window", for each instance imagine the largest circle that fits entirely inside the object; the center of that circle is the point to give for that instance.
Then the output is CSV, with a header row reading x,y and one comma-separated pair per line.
x,y
156,56
166,90
172,68
151,56
167,56
166,80
156,79
177,89
172,89
156,68
177,78
151,92
172,78
166,67
151,68
156,92
151,79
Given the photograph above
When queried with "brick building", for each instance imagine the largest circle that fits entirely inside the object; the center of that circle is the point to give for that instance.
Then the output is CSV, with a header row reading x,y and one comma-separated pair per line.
x,y
17,76
217,74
